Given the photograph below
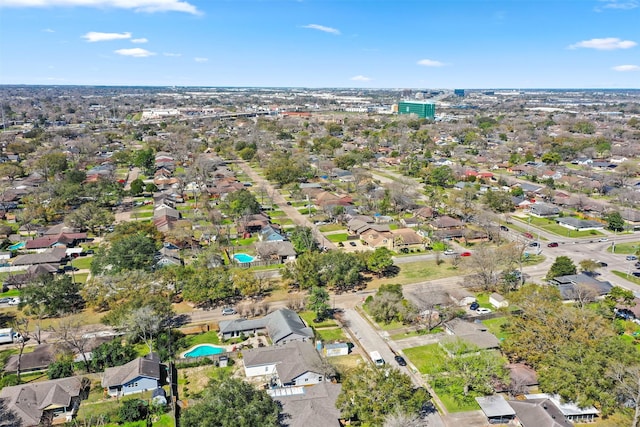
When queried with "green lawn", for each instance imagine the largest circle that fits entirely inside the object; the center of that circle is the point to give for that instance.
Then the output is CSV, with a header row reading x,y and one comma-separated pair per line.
x,y
495,327
82,262
429,359
329,335
632,279
419,271
452,403
418,333
308,317
340,237
80,277
331,227
551,226
10,293
137,215
210,337
626,248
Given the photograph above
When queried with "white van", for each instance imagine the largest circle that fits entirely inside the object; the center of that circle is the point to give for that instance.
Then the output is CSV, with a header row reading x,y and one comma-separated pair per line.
x,y
376,358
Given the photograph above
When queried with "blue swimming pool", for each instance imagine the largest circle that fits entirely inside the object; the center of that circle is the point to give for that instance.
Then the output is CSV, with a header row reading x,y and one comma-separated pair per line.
x,y
243,258
17,246
204,350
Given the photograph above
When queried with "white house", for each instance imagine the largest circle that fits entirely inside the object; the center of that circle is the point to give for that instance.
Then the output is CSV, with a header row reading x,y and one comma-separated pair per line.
x,y
498,301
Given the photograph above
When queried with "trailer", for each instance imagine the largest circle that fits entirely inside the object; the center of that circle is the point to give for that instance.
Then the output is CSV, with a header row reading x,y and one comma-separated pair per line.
x,y
8,335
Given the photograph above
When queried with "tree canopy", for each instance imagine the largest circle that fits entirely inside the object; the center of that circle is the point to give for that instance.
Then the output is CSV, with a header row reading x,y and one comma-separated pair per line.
x,y
562,266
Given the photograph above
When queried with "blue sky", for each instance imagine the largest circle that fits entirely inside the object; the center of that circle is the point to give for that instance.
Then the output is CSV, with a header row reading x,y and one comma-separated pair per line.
x,y
322,43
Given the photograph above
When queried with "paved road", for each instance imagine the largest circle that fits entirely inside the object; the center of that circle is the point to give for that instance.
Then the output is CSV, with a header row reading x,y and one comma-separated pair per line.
x,y
293,213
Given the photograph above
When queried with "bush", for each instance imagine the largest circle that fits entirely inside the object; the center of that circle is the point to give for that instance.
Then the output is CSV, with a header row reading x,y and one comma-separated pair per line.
x,y
133,410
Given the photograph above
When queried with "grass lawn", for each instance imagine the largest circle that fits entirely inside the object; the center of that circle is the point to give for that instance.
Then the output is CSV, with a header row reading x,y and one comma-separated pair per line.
x,y
455,405
419,271
625,248
329,335
137,215
82,262
81,277
331,227
165,420
632,279
10,293
308,317
417,333
340,237
429,359
495,327
346,363
210,337
552,227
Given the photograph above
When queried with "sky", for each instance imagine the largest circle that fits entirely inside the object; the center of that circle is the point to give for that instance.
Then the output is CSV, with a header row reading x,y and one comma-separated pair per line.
x,y
438,44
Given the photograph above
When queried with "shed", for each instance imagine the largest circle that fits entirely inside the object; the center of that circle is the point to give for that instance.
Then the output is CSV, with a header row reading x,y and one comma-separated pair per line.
x,y
498,301
336,349
496,409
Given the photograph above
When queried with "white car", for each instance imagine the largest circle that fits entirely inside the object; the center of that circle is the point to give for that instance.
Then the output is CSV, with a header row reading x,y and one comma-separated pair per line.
x,y
604,239
449,252
483,310
227,311
14,301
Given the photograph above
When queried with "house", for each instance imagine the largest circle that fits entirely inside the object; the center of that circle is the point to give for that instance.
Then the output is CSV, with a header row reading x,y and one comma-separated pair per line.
x,y
411,222
461,297
569,411
270,234
62,239
141,374
282,326
425,213
48,256
544,210
312,406
498,301
475,334
405,238
578,286
43,402
446,223
295,363
496,409
579,224
282,251
538,413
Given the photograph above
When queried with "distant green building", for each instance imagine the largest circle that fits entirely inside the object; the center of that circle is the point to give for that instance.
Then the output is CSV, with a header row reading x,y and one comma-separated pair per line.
x,y
424,110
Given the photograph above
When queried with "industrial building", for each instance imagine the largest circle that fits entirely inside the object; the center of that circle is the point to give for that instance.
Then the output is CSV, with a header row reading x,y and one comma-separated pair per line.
x,y
424,110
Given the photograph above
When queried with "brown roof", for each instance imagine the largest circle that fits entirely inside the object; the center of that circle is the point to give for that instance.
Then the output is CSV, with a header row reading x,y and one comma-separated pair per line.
x,y
408,236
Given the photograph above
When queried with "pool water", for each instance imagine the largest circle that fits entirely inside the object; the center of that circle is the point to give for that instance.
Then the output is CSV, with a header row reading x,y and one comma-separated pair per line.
x,y
243,258
17,246
204,350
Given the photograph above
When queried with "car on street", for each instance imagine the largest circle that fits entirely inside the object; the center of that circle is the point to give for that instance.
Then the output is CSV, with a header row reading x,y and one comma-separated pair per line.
x,y
474,305
602,264
528,235
636,273
465,254
5,300
603,239
353,244
631,258
534,244
227,311
14,301
482,310
400,360
504,228
637,264
449,252
552,245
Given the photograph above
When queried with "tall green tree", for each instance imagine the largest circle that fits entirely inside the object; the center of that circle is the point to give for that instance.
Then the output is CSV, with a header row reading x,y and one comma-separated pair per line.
x,y
379,261
232,402
441,176
134,252
241,202
615,221
112,353
318,302
370,394
54,296
562,266
303,239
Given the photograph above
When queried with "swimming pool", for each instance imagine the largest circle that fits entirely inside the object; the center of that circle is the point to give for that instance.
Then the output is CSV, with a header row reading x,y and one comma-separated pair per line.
x,y
17,246
204,350
243,258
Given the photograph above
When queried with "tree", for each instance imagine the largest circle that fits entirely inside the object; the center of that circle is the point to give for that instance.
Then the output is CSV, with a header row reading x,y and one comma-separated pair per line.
x,y
144,323
562,266
389,305
615,221
627,385
341,270
318,302
303,273
90,216
241,202
499,201
246,282
110,354
370,394
133,252
51,164
440,176
71,331
10,170
62,367
616,298
379,261
485,263
551,158
137,187
232,402
133,410
303,239
207,287
589,266
55,295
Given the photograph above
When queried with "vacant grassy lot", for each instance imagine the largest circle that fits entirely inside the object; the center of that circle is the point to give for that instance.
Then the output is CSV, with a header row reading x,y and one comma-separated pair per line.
x,y
309,316
629,277
339,237
429,359
419,271
551,226
329,335
495,327
625,248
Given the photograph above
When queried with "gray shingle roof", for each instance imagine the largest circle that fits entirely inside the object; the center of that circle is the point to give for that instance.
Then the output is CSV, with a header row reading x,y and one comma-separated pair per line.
x,y
147,366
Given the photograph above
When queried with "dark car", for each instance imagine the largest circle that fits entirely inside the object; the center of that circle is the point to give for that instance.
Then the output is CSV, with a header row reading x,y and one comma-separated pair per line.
x,y
401,361
534,244
504,228
552,245
5,300
352,243
474,305
603,264
636,273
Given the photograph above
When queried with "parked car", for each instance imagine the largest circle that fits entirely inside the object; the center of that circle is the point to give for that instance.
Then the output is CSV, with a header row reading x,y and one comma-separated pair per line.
x,y
465,254
528,235
552,245
227,311
482,310
5,300
637,264
631,258
602,264
400,360
504,228
14,301
534,244
449,252
474,305
636,273
353,244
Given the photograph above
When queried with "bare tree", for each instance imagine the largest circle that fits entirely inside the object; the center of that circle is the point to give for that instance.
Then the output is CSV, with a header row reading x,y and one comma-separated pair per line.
x,y
399,419
627,380
21,326
582,294
144,323
71,331
485,264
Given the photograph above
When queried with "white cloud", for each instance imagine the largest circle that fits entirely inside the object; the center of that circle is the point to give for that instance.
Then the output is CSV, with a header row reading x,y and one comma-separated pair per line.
x,y
360,78
617,4
430,63
48,30
94,36
148,6
323,28
140,40
200,59
609,43
175,55
136,52
626,68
